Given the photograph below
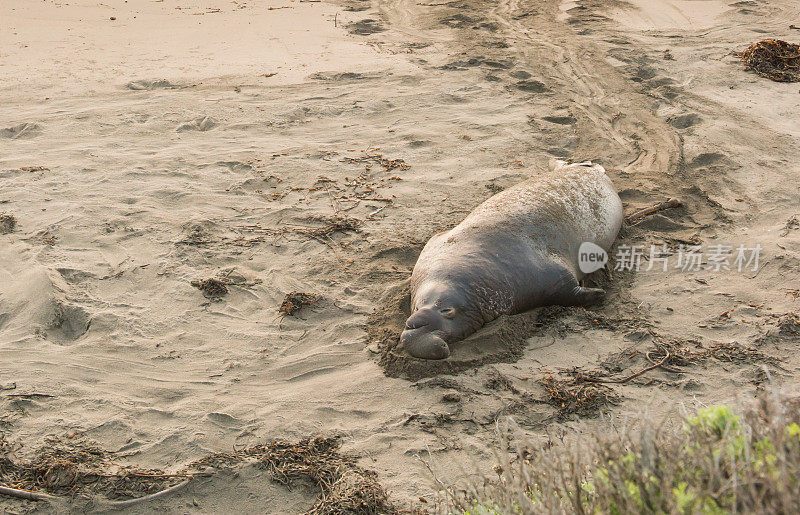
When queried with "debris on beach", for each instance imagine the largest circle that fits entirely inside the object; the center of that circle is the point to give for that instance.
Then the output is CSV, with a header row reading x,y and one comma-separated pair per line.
x,y
212,288
498,381
294,302
330,225
639,215
386,163
789,324
326,226
75,468
573,395
346,487
774,59
674,354
7,223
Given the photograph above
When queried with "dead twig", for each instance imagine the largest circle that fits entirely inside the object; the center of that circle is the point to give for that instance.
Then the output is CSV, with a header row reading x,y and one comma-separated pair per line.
x,y
26,494
146,498
637,216
592,379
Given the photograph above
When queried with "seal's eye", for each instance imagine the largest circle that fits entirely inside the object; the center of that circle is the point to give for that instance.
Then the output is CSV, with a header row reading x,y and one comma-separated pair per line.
x,y
448,312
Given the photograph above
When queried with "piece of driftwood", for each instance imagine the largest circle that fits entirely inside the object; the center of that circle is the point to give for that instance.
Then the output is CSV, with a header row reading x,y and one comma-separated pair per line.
x,y
38,496
26,494
641,214
146,498
632,376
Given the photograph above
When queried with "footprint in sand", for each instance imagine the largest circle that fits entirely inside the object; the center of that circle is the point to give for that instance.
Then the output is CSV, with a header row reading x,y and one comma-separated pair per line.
x,y
21,131
35,304
560,120
365,27
532,86
204,123
7,223
338,76
356,8
149,85
684,121
70,323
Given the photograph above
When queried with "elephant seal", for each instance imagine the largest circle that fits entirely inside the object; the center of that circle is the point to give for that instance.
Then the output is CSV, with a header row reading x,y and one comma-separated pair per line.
x,y
516,251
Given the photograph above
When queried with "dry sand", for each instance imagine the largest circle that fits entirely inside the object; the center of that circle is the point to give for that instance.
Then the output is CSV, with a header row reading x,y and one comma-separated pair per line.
x,y
144,152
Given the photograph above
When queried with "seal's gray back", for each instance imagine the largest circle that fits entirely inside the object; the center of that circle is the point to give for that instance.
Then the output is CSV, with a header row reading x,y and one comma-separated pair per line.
x,y
553,212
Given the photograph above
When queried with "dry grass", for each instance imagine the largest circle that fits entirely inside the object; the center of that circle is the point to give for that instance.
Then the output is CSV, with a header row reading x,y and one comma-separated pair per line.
x,y
774,59
714,461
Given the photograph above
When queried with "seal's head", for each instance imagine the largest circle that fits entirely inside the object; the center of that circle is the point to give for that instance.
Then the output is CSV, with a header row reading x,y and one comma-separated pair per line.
x,y
439,315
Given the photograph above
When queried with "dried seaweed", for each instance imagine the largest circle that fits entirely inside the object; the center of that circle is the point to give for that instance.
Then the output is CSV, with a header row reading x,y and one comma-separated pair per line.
x,y
774,59
346,487
677,354
789,325
211,288
78,469
498,381
330,225
575,395
294,302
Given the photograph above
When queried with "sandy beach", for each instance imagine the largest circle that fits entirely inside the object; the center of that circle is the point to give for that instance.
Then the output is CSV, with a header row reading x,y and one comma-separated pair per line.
x,y
287,146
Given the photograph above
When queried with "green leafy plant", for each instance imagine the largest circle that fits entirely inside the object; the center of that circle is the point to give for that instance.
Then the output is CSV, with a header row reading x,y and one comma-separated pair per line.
x,y
718,460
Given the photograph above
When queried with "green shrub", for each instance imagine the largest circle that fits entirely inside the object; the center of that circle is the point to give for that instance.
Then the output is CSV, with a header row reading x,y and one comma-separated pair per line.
x,y
716,461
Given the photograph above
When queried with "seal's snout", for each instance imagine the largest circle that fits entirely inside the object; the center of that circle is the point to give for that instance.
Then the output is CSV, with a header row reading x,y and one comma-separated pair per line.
x,y
415,324
420,318
420,339
425,345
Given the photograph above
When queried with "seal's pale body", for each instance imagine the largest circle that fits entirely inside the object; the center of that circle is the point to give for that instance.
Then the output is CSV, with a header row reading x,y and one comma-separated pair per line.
x,y
516,251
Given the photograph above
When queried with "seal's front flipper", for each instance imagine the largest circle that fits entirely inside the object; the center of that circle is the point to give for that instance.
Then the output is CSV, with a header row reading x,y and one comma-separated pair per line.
x,y
587,296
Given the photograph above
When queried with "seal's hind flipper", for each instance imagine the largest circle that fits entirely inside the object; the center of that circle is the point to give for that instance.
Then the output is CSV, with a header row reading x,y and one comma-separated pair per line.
x,y
587,296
